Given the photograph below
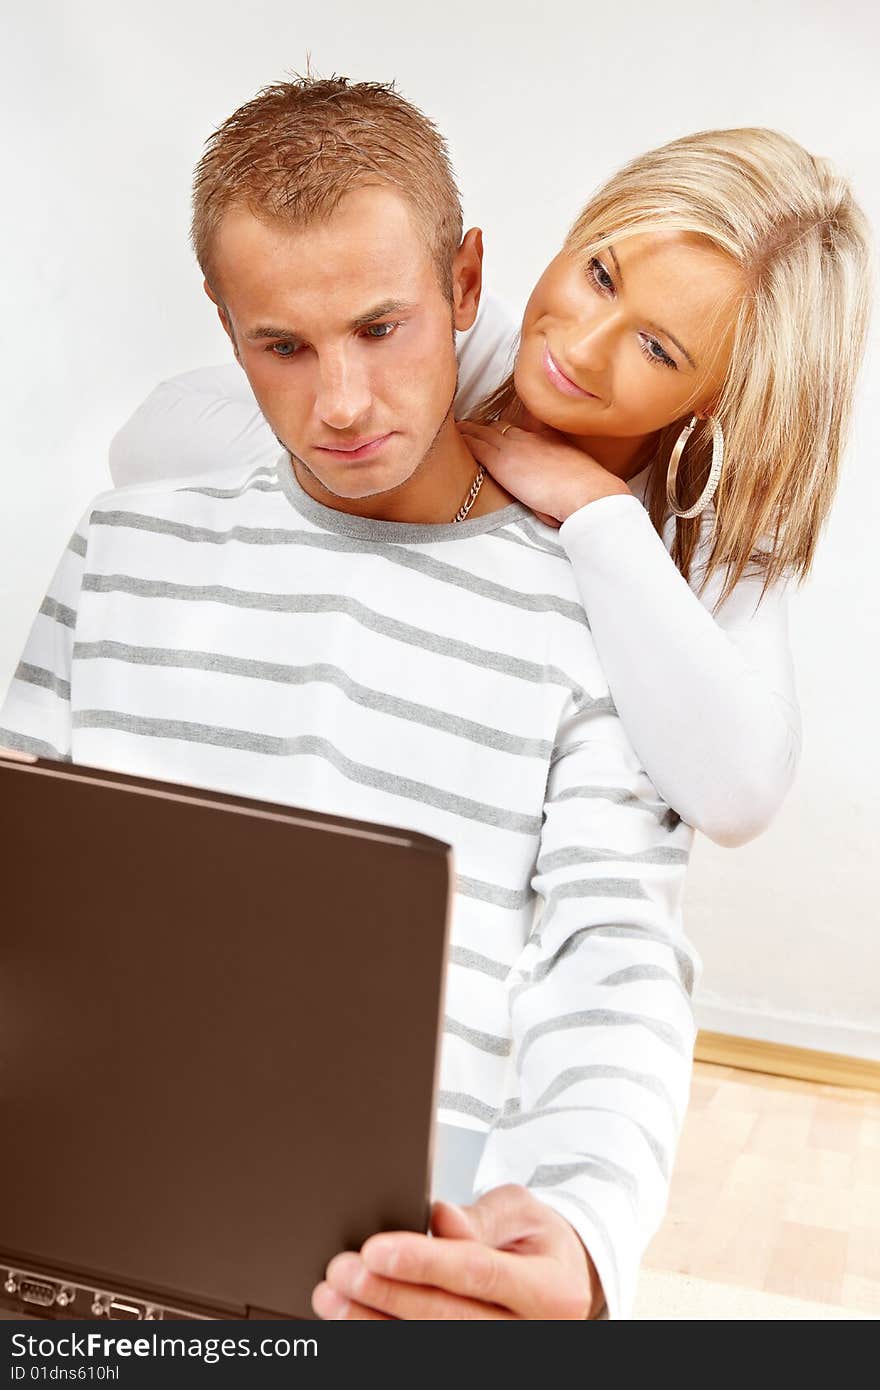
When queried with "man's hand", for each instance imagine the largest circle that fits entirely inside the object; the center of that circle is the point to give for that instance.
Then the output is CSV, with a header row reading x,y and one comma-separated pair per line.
x,y
507,1256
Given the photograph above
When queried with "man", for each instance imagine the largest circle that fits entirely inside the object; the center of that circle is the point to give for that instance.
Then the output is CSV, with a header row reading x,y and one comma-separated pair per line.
x,y
370,627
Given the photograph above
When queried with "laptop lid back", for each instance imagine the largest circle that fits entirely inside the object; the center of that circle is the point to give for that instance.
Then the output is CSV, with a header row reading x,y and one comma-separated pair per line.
x,y
219,1037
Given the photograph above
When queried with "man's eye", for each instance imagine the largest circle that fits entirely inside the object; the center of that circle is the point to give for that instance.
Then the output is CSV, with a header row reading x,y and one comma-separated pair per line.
x,y
282,349
381,330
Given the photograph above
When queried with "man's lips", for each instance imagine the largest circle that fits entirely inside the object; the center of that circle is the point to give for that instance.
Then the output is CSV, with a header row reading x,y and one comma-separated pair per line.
x,y
361,448
563,383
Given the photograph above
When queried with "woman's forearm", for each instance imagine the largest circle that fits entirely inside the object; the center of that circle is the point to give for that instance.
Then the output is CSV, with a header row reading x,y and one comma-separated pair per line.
x,y
708,702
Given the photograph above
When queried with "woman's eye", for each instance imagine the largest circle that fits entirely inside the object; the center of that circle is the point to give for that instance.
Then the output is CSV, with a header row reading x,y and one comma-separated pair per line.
x,y
655,353
380,330
649,346
599,275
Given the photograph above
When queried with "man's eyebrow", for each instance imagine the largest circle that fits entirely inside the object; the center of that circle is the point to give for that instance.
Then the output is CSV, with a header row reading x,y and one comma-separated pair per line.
x,y
379,311
268,330
656,327
390,306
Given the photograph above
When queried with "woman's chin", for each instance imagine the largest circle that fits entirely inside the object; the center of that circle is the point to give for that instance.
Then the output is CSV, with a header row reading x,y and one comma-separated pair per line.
x,y
546,406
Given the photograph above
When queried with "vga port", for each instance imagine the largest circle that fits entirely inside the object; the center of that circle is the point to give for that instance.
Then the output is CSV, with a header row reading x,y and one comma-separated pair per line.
x,y
37,1291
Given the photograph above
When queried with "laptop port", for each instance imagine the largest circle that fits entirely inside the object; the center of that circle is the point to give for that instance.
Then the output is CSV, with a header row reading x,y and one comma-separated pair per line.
x,y
123,1311
37,1291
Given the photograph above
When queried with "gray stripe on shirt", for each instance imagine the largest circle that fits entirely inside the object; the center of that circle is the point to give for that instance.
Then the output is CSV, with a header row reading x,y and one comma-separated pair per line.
x,y
308,745
23,743
256,481
534,535
380,701
603,1018
509,534
59,612
434,642
682,959
473,960
485,1042
514,898
607,1071
467,1105
629,888
553,1174
37,675
528,1116
571,855
583,934
229,492
620,796
633,973
426,565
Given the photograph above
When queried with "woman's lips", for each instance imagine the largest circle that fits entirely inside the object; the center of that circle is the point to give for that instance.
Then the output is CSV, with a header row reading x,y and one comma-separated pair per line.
x,y
557,377
358,449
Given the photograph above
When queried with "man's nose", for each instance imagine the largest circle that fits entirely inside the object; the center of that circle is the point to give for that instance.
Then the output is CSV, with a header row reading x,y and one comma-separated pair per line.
x,y
344,394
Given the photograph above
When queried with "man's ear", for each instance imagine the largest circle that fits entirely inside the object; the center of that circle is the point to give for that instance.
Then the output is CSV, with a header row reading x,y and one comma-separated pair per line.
x,y
467,279
223,315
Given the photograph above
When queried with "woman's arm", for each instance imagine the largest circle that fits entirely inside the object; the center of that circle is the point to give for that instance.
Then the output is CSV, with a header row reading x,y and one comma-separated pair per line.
x,y
707,698
192,423
709,702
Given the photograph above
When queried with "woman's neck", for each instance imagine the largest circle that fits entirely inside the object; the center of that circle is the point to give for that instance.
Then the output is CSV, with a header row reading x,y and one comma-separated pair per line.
x,y
623,457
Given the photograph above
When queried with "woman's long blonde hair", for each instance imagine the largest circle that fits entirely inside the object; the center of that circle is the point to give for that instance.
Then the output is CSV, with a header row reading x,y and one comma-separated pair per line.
x,y
802,244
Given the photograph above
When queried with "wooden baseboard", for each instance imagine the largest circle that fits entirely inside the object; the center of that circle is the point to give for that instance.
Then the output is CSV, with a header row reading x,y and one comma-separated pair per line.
x,y
777,1059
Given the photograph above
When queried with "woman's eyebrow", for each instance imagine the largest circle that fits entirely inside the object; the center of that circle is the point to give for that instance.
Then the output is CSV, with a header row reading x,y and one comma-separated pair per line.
x,y
656,327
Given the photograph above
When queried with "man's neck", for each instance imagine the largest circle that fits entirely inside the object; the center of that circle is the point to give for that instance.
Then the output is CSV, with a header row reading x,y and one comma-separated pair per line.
x,y
431,495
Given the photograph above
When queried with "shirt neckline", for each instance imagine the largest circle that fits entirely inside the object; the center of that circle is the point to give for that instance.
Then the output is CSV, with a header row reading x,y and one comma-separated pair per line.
x,y
396,532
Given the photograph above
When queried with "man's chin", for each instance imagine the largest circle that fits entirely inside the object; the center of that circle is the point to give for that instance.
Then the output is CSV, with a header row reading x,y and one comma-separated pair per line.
x,y
352,482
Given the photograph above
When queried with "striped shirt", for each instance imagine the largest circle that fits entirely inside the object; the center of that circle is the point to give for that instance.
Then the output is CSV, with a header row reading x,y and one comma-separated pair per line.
x,y
230,632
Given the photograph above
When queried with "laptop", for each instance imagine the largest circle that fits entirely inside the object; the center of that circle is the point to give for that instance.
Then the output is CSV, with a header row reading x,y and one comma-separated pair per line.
x,y
219,1042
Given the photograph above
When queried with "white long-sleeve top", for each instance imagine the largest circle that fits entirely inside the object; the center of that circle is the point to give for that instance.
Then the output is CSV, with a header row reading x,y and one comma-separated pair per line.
x,y
230,632
708,699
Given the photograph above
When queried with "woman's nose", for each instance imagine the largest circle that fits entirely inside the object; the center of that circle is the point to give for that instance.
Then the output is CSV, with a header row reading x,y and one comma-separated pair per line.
x,y
588,345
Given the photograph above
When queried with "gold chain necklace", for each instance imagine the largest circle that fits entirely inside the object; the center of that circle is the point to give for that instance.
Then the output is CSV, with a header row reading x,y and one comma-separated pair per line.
x,y
471,498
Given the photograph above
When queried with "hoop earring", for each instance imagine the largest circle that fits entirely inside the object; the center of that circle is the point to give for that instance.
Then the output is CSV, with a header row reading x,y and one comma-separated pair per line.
x,y
713,479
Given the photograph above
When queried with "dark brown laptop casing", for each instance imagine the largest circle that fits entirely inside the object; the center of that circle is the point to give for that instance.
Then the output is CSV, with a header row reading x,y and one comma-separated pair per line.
x,y
219,1043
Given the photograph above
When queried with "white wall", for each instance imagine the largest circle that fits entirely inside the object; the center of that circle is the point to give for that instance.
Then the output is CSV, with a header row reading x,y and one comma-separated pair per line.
x,y
106,107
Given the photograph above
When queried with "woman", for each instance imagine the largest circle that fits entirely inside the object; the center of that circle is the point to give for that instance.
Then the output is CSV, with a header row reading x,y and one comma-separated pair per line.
x,y
755,256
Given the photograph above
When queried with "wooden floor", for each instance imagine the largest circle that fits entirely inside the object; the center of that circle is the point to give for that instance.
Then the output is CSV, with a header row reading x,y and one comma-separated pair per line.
x,y
776,1189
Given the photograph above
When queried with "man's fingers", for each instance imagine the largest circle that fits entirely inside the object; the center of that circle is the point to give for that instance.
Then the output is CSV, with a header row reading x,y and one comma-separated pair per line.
x,y
474,1272
330,1305
507,1215
451,1221
348,1278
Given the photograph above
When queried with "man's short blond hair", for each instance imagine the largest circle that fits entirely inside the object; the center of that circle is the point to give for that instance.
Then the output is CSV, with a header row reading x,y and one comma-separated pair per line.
x,y
291,153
